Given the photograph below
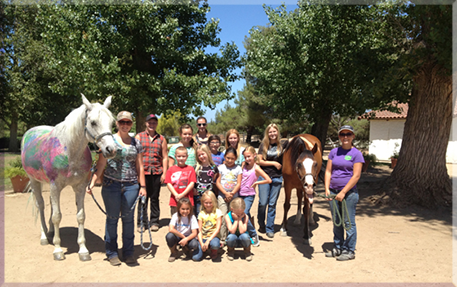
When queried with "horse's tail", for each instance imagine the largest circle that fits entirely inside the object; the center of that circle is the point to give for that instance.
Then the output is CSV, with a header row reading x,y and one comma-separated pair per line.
x,y
34,206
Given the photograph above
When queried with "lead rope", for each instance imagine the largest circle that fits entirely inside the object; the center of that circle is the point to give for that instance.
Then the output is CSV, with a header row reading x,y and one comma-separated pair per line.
x,y
335,210
143,202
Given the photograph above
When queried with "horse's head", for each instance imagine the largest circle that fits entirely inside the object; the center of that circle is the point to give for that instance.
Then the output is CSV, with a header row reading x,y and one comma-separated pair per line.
x,y
307,171
98,126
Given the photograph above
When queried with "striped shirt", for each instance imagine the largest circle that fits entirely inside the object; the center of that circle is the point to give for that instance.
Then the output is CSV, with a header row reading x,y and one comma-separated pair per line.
x,y
152,153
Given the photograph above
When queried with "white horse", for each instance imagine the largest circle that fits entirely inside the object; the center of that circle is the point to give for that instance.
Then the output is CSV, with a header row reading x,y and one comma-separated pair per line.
x,y
60,156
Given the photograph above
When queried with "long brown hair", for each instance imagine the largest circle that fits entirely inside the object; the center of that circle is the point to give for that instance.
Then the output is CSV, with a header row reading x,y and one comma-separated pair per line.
x,y
184,200
187,126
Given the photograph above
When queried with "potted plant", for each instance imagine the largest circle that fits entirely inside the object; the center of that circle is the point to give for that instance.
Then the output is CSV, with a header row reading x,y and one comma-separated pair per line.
x,y
369,159
393,159
16,173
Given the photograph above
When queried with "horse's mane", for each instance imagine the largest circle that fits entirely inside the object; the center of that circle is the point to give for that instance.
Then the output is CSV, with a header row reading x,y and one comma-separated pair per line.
x,y
74,122
296,145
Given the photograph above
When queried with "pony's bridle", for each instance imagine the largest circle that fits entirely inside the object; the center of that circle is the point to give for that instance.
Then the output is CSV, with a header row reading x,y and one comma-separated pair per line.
x,y
303,178
97,138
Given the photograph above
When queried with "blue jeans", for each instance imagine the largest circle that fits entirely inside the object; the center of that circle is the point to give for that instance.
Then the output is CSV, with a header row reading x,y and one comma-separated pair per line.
x,y
173,240
249,200
234,240
268,195
119,198
352,197
214,244
197,205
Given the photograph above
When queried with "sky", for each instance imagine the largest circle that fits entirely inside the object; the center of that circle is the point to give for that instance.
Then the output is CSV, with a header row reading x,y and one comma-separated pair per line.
x,y
235,21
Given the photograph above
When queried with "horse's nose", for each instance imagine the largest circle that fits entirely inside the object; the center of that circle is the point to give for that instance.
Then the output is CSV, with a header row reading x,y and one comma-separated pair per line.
x,y
109,150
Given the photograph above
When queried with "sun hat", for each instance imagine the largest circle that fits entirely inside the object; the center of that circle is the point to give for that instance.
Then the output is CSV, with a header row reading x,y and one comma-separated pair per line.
x,y
151,116
346,128
124,115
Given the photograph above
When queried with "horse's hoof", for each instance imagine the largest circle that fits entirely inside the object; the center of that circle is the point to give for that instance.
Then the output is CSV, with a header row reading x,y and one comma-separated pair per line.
x,y
283,233
44,242
59,256
297,222
308,242
84,257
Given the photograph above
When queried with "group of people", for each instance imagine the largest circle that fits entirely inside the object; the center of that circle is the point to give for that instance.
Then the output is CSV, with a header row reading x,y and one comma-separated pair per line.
x,y
211,191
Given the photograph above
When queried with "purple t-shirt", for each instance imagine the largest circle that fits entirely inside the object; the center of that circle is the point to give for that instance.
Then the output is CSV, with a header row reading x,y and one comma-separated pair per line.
x,y
342,165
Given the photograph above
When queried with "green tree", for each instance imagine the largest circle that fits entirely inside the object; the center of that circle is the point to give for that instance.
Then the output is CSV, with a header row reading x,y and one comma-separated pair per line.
x,y
308,64
146,54
169,124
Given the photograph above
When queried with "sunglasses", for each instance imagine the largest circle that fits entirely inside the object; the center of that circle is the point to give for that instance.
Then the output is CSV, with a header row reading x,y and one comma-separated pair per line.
x,y
201,125
345,135
125,123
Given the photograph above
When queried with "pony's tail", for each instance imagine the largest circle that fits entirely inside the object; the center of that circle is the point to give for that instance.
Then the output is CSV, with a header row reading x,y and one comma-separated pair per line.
x,y
34,206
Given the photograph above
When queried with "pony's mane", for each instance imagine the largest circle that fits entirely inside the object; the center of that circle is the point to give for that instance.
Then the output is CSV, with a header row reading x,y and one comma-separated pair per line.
x,y
296,145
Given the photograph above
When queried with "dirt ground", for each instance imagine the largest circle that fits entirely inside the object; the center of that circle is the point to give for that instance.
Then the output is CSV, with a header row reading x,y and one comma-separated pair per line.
x,y
394,245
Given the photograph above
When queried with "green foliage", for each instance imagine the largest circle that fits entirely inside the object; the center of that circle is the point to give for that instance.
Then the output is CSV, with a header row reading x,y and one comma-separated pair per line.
x,y
15,168
169,124
370,157
143,53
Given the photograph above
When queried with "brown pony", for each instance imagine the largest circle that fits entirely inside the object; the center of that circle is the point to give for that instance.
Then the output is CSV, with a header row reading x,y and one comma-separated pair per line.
x,y
302,162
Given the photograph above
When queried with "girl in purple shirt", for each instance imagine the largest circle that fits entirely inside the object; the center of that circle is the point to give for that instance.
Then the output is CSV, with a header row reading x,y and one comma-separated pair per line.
x,y
343,171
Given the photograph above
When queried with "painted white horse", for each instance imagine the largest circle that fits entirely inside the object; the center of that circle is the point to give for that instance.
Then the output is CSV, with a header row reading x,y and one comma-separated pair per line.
x,y
60,156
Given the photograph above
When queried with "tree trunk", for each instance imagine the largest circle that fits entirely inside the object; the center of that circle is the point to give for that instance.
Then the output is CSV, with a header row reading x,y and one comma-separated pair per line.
x,y
420,176
320,127
13,134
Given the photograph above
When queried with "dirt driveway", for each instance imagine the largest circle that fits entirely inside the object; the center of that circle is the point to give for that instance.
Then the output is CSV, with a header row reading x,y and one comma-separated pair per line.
x,y
394,245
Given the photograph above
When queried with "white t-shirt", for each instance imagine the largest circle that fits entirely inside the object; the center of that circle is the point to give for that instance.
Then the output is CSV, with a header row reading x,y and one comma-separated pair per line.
x,y
184,226
229,177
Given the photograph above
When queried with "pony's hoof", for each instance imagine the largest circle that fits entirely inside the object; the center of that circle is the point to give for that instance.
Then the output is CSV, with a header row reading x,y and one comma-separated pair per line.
x,y
307,242
59,256
44,242
297,222
283,233
84,257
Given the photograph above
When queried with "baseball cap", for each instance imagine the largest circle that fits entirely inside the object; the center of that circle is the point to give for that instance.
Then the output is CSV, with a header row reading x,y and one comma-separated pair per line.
x,y
124,115
346,128
151,116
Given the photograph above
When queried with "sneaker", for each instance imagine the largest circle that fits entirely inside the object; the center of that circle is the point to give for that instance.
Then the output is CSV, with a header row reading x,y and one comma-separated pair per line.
x,y
262,229
213,254
255,241
270,234
333,253
172,257
114,261
346,255
154,228
130,260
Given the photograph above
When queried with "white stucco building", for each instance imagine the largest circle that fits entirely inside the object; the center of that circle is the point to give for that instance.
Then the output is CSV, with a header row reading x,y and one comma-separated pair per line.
x,y
386,133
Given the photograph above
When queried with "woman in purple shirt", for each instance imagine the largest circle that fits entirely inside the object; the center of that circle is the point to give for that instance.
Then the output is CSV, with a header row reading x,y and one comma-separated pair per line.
x,y
343,171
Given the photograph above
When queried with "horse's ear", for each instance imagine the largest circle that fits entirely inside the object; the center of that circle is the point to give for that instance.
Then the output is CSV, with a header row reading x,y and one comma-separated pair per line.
x,y
107,102
315,147
86,102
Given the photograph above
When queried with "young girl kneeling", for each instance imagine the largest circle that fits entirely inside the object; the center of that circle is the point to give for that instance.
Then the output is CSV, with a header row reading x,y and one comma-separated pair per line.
x,y
209,223
183,230
237,223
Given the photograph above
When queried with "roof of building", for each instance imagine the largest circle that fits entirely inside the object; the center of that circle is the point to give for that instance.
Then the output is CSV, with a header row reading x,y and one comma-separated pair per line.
x,y
386,115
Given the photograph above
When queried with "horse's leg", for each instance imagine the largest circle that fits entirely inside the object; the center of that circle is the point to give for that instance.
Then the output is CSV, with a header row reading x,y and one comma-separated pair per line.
x,y
36,188
300,194
287,192
306,211
56,218
81,217
311,215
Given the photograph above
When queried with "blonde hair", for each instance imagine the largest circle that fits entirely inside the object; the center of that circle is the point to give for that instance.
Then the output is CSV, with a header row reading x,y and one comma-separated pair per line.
x,y
237,204
251,149
227,144
266,141
209,194
204,148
